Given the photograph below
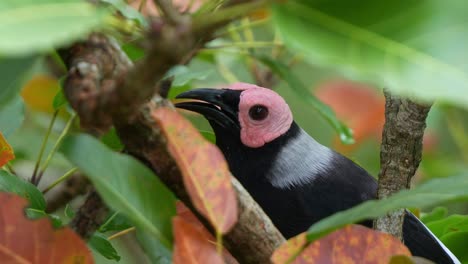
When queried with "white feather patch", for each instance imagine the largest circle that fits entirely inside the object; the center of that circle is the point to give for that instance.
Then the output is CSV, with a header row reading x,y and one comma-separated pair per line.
x,y
300,162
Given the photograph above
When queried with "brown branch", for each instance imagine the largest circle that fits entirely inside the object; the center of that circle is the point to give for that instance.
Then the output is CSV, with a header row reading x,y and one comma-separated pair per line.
x,y
169,11
400,153
254,237
104,89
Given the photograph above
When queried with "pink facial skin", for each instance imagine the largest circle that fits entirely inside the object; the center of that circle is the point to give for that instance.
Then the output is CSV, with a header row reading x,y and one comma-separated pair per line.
x,y
256,133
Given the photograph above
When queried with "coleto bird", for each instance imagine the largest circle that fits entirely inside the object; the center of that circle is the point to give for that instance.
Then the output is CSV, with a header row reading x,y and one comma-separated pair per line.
x,y
296,180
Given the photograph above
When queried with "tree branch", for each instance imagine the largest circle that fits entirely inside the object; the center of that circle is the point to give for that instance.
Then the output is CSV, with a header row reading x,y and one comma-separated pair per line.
x,y
400,154
105,89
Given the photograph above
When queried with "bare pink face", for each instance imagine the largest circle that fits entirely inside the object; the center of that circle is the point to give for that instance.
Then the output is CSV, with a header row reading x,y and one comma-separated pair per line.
x,y
263,115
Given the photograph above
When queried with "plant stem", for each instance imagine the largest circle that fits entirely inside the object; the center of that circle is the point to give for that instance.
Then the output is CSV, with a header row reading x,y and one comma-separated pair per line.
x,y
247,44
54,149
252,24
59,180
203,21
42,149
121,233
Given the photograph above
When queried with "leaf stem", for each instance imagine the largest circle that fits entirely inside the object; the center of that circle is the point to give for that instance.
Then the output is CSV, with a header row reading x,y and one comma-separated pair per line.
x,y
54,149
219,243
121,233
42,149
61,179
252,24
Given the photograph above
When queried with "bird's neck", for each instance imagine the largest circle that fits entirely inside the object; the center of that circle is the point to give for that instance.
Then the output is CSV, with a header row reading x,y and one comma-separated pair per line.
x,y
292,159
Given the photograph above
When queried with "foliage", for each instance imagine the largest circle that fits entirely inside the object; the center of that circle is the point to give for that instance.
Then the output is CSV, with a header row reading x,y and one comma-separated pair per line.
x,y
319,55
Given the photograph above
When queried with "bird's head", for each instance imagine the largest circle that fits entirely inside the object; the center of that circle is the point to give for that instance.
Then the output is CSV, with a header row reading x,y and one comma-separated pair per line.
x,y
255,114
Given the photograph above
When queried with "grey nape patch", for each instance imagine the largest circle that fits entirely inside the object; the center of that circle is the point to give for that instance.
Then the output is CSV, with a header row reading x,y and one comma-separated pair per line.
x,y
300,162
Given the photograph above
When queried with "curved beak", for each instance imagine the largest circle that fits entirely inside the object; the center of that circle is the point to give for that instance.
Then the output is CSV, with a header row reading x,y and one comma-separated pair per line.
x,y
220,106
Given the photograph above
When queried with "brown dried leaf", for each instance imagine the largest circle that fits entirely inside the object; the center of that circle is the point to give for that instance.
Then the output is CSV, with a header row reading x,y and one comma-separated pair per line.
x,y
351,244
192,245
6,152
35,241
288,250
205,171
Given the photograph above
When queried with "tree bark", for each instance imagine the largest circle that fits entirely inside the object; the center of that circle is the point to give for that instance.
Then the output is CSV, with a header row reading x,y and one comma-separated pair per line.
x,y
400,154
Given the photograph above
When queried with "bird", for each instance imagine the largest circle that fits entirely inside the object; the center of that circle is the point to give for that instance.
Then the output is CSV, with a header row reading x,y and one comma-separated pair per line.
x,y
296,180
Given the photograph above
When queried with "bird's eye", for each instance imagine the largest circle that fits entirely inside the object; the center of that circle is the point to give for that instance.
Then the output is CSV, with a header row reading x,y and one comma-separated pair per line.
x,y
258,112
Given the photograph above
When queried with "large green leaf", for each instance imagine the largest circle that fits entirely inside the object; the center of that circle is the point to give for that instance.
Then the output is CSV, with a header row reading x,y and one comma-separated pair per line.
x,y
13,72
14,184
301,90
29,26
125,184
11,116
457,243
414,48
453,223
100,243
424,195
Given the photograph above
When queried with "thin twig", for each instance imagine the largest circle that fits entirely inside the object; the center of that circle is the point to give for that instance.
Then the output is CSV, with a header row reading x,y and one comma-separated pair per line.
x,y
171,14
61,179
121,233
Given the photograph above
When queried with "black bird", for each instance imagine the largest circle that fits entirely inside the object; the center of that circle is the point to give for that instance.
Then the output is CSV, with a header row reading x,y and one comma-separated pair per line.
x,y
296,180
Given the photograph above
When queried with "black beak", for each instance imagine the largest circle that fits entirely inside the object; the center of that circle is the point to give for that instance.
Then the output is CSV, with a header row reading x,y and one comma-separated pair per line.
x,y
217,105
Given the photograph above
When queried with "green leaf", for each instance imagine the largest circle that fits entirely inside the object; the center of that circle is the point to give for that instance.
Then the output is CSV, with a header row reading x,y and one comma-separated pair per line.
x,y
112,140
155,251
100,244
68,212
30,26
183,75
11,116
128,11
437,213
14,72
284,72
427,194
37,214
14,184
208,135
115,222
125,184
59,100
453,223
456,242
414,48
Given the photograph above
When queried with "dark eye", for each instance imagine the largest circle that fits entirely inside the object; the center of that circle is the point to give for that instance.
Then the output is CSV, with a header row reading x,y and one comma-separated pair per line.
x,y
258,112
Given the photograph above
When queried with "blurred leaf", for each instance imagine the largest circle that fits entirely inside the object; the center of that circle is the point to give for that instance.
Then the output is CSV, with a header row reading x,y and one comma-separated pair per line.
x,y
11,116
427,194
14,184
192,245
39,93
205,171
437,213
153,248
128,11
285,73
99,243
133,52
125,184
38,214
453,223
59,99
34,26
13,71
208,135
183,75
289,250
68,211
34,241
351,244
115,222
456,242
112,140
414,48
6,152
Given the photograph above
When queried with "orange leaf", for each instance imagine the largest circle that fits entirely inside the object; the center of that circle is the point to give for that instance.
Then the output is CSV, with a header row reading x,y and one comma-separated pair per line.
x,y
186,214
205,171
351,244
192,245
35,241
288,250
6,152
39,92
